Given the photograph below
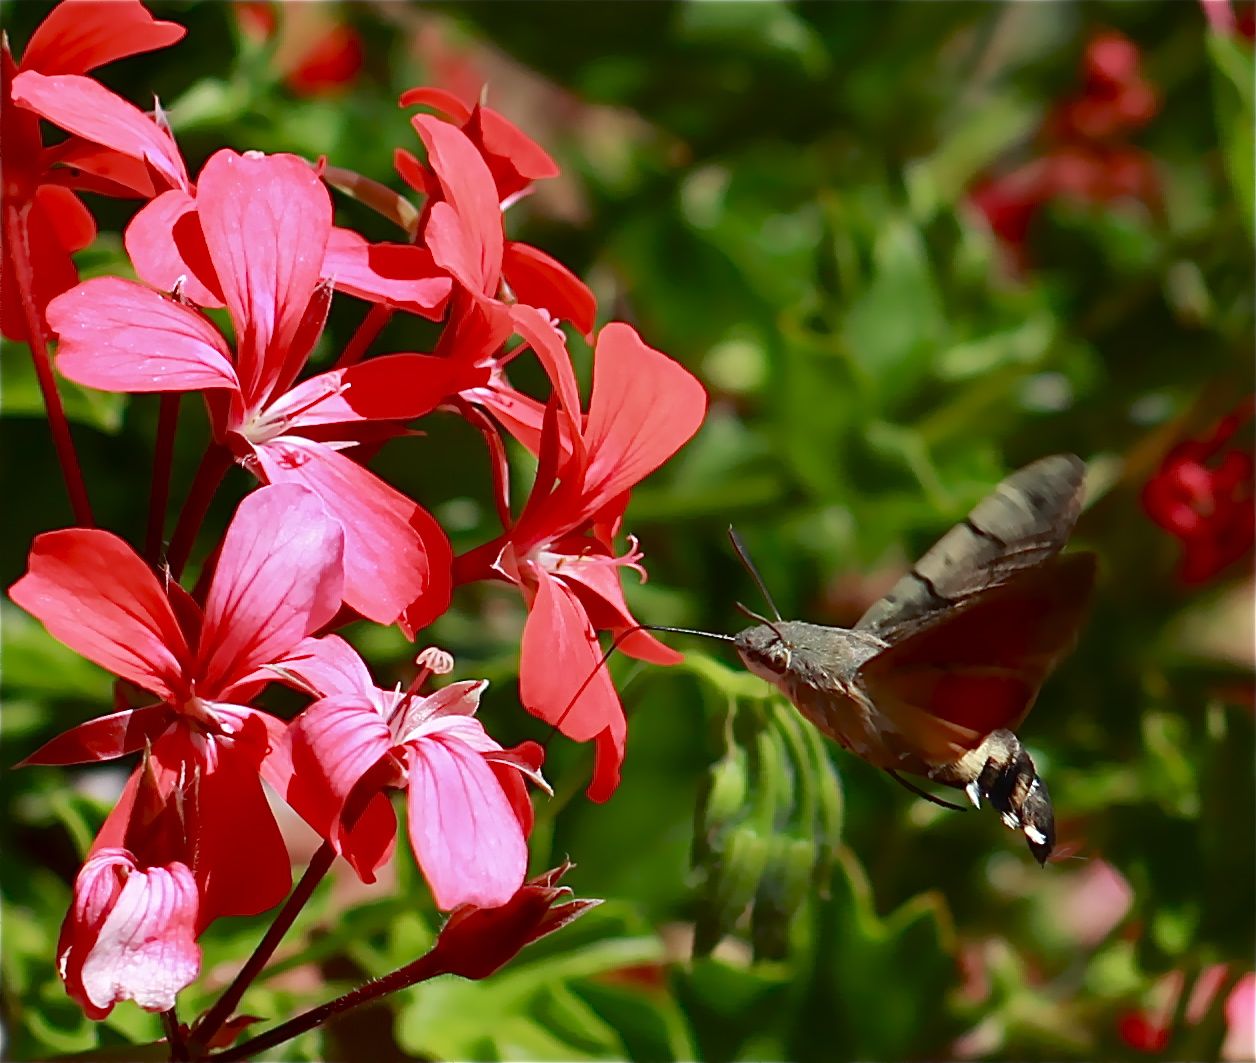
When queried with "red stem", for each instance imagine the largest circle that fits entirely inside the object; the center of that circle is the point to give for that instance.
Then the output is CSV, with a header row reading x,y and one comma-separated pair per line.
x,y
222,1010
372,325
213,468
412,973
174,1035
163,461
15,235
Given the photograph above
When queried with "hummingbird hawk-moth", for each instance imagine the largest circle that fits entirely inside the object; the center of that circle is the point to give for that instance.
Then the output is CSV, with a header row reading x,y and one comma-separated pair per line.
x,y
933,679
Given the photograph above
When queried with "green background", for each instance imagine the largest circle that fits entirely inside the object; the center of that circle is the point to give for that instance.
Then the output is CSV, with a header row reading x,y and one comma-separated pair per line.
x,y
774,194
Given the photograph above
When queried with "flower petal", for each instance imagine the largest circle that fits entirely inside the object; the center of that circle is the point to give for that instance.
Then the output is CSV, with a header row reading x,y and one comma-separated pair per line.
x,y
596,581
399,275
80,35
396,556
278,579
514,158
327,666
167,247
266,220
560,654
117,335
84,107
143,947
452,707
93,593
465,233
104,738
644,407
541,281
464,832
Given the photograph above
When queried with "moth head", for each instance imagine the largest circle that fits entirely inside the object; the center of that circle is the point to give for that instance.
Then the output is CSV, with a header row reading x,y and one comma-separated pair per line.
x,y
765,651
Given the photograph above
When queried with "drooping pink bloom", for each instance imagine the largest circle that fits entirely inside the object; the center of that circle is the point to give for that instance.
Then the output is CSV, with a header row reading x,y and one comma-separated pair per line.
x,y
560,552
278,579
468,809
255,238
130,934
39,202
1203,494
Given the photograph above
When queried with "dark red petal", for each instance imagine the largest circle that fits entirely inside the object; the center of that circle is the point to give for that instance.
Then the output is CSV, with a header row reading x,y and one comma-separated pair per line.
x,y
399,275
104,738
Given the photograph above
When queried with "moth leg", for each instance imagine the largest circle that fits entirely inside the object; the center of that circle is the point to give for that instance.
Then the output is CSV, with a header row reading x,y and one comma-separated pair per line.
x,y
908,785
1001,771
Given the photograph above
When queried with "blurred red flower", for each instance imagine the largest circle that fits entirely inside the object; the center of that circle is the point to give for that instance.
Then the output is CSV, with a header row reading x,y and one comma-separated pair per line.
x,y
1204,494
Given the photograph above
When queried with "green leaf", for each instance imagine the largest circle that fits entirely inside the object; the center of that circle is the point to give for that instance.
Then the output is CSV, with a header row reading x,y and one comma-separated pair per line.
x,y
1234,101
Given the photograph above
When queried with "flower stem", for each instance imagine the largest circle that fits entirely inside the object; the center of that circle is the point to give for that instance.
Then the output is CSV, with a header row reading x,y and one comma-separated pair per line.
x,y
15,235
213,467
163,460
174,1035
222,1010
412,973
372,325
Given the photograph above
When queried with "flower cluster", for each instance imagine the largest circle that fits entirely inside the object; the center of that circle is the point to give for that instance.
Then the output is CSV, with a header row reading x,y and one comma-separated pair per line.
x,y
1204,495
237,269
1084,153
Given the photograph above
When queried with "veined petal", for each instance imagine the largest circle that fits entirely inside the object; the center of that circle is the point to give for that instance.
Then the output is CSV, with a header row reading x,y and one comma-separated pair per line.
x,y
327,666
266,221
560,652
541,281
80,35
140,945
472,239
644,407
400,275
464,832
117,335
84,107
333,744
93,593
451,706
104,738
167,247
396,556
279,578
551,350
514,158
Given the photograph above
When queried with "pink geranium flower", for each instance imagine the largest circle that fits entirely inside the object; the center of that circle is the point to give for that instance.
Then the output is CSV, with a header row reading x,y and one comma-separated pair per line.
x,y
468,809
41,209
130,934
644,406
278,579
255,237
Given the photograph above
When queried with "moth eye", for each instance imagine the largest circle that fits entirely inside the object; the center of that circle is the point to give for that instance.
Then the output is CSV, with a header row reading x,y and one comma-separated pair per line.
x,y
778,658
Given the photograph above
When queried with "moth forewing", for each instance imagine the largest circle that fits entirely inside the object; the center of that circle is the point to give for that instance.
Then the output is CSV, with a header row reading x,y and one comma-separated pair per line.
x,y
1024,522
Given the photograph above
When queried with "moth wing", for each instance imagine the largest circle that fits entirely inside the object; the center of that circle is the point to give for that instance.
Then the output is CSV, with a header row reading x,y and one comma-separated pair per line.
x,y
947,686
1022,523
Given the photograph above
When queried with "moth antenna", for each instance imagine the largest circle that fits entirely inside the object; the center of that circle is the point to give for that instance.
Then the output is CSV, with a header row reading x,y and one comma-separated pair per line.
x,y
612,648
744,555
747,611
908,785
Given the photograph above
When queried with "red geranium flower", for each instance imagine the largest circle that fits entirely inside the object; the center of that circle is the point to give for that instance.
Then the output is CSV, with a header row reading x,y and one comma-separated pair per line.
x,y
255,237
560,552
278,579
40,208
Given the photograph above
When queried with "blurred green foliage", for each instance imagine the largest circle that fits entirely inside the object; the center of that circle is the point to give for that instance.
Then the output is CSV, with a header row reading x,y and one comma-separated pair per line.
x,y
775,195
